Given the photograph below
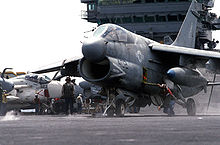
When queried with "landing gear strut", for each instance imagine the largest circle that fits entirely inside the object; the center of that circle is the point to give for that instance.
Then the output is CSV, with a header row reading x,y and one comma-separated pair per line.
x,y
189,104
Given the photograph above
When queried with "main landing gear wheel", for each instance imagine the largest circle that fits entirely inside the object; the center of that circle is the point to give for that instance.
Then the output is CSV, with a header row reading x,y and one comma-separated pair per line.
x,y
191,107
120,108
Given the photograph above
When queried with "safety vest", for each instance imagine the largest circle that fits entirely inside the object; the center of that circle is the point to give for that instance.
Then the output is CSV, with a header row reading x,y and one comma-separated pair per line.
x,y
169,91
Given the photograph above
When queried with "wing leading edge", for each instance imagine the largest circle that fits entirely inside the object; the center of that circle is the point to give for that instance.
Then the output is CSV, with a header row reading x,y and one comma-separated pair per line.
x,y
70,66
186,51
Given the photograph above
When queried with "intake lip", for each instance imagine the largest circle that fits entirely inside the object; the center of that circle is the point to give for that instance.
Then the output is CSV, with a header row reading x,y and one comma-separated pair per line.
x,y
94,49
94,71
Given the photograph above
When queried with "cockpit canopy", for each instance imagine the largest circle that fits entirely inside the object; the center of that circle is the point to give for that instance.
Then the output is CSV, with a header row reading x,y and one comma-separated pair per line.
x,y
42,79
113,32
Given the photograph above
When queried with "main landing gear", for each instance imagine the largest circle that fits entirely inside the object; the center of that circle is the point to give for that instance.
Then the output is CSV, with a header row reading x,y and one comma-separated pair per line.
x,y
190,106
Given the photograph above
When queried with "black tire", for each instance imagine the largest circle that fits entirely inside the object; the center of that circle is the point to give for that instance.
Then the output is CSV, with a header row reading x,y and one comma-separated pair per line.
x,y
191,107
120,108
110,112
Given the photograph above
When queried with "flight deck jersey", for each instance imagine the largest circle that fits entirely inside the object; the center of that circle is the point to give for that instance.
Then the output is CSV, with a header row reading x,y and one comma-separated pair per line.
x,y
68,89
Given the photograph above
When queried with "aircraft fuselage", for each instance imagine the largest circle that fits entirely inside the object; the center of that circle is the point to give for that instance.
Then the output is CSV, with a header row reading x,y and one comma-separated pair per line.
x,y
119,58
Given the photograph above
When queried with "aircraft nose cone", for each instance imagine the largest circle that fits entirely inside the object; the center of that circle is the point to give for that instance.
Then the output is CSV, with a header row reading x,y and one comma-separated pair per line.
x,y
12,86
7,85
171,73
94,50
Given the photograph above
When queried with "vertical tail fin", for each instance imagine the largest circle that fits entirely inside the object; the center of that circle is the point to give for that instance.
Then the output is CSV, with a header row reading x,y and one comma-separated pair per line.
x,y
187,33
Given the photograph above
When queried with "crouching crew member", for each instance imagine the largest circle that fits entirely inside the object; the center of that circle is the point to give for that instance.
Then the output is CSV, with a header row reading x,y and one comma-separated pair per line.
x,y
168,100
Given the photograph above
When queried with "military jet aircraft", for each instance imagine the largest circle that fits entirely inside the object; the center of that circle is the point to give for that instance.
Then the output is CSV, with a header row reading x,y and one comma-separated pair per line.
x,y
25,88
128,67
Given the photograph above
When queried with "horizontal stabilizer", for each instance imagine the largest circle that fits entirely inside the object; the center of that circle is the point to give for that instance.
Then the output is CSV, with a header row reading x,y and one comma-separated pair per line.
x,y
167,40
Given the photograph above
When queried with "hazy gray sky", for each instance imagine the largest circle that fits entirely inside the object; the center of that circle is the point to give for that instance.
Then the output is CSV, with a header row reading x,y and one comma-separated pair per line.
x,y
34,33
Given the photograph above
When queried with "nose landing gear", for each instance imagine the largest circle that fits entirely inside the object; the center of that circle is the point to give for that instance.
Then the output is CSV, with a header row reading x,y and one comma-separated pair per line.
x,y
120,108
115,104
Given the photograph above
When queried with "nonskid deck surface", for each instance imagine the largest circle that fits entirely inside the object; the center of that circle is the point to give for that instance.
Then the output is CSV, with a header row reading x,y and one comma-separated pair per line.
x,y
131,129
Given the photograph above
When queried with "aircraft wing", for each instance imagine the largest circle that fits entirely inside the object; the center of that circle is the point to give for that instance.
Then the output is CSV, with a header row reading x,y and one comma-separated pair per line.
x,y
185,51
52,69
69,65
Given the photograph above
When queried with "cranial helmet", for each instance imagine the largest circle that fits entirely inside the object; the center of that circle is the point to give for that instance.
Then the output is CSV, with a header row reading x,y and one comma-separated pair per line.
x,y
68,79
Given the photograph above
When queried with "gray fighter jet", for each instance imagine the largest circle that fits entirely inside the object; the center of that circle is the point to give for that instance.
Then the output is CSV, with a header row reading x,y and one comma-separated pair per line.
x,y
129,67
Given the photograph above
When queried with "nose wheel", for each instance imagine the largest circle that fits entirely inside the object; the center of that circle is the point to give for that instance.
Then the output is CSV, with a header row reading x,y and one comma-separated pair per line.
x,y
120,108
191,107
110,112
